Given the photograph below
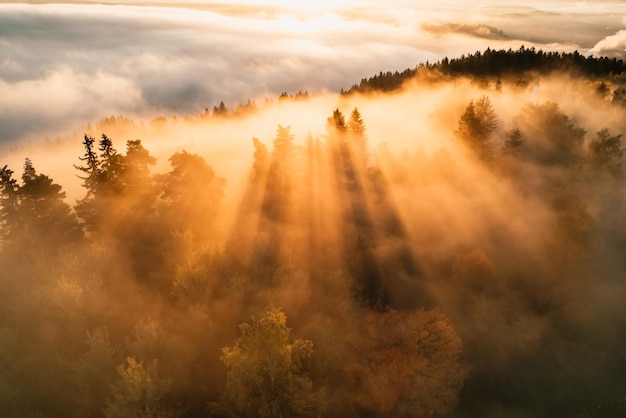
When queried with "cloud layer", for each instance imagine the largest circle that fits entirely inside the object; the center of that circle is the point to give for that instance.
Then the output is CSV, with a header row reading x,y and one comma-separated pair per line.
x,y
64,65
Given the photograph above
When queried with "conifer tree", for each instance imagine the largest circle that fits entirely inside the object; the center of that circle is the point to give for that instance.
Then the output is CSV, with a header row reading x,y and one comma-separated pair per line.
x,y
356,127
476,126
261,160
43,219
9,209
606,152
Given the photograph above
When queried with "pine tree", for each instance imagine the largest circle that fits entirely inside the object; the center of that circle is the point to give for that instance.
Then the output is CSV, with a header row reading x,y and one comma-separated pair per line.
x,y
283,143
44,219
261,160
112,166
9,209
513,143
356,127
606,152
476,126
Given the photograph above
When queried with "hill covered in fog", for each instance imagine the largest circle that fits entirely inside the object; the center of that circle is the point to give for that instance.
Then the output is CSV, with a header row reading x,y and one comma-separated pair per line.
x,y
450,247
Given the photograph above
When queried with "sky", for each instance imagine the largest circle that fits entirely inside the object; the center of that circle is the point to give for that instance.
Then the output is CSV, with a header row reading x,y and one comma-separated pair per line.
x,y
66,64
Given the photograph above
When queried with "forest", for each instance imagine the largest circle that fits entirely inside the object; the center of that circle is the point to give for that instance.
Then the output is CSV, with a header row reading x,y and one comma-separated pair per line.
x,y
467,262
521,66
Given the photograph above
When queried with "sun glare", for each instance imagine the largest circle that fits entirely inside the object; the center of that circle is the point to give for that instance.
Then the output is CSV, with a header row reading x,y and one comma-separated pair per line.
x,y
305,5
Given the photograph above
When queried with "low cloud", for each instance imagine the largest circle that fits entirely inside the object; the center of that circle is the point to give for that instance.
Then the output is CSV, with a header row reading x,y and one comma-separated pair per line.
x,y
478,31
64,64
611,46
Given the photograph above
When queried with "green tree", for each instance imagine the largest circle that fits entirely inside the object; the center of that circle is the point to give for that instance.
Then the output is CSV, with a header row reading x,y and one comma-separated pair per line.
x,y
513,143
95,373
476,126
356,128
91,167
283,143
606,153
619,96
336,123
44,220
191,195
92,177
266,375
356,125
261,160
137,164
279,183
553,137
106,177
9,209
112,166
220,110
602,90
138,392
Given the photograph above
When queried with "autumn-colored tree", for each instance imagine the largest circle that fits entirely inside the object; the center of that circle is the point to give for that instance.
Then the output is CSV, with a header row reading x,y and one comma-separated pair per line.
x,y
406,365
266,371
138,392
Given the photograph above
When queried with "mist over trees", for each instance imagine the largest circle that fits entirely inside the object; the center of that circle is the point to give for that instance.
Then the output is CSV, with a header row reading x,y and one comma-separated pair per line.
x,y
484,278
491,65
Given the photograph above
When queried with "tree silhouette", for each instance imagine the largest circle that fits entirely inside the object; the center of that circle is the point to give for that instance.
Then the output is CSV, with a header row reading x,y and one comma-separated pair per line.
x,y
336,124
476,126
137,162
356,128
606,152
191,195
44,219
261,160
556,139
9,205
513,143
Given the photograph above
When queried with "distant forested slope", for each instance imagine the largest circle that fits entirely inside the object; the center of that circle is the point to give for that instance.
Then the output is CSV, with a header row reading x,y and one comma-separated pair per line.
x,y
500,63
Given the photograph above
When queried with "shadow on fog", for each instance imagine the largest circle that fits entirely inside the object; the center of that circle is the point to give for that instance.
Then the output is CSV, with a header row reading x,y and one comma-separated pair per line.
x,y
470,267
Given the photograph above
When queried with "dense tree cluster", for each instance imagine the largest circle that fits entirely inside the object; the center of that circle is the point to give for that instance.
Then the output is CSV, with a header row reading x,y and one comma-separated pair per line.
x,y
141,252
496,64
367,283
493,63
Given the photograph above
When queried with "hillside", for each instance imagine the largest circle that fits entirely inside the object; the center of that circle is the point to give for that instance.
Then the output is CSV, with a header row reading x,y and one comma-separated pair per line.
x,y
452,249
493,65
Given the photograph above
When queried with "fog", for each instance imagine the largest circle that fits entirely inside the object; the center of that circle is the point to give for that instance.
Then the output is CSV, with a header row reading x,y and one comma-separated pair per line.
x,y
407,268
65,64
451,248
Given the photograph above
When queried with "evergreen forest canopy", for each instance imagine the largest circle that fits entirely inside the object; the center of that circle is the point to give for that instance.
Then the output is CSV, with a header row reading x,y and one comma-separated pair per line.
x,y
483,278
521,66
